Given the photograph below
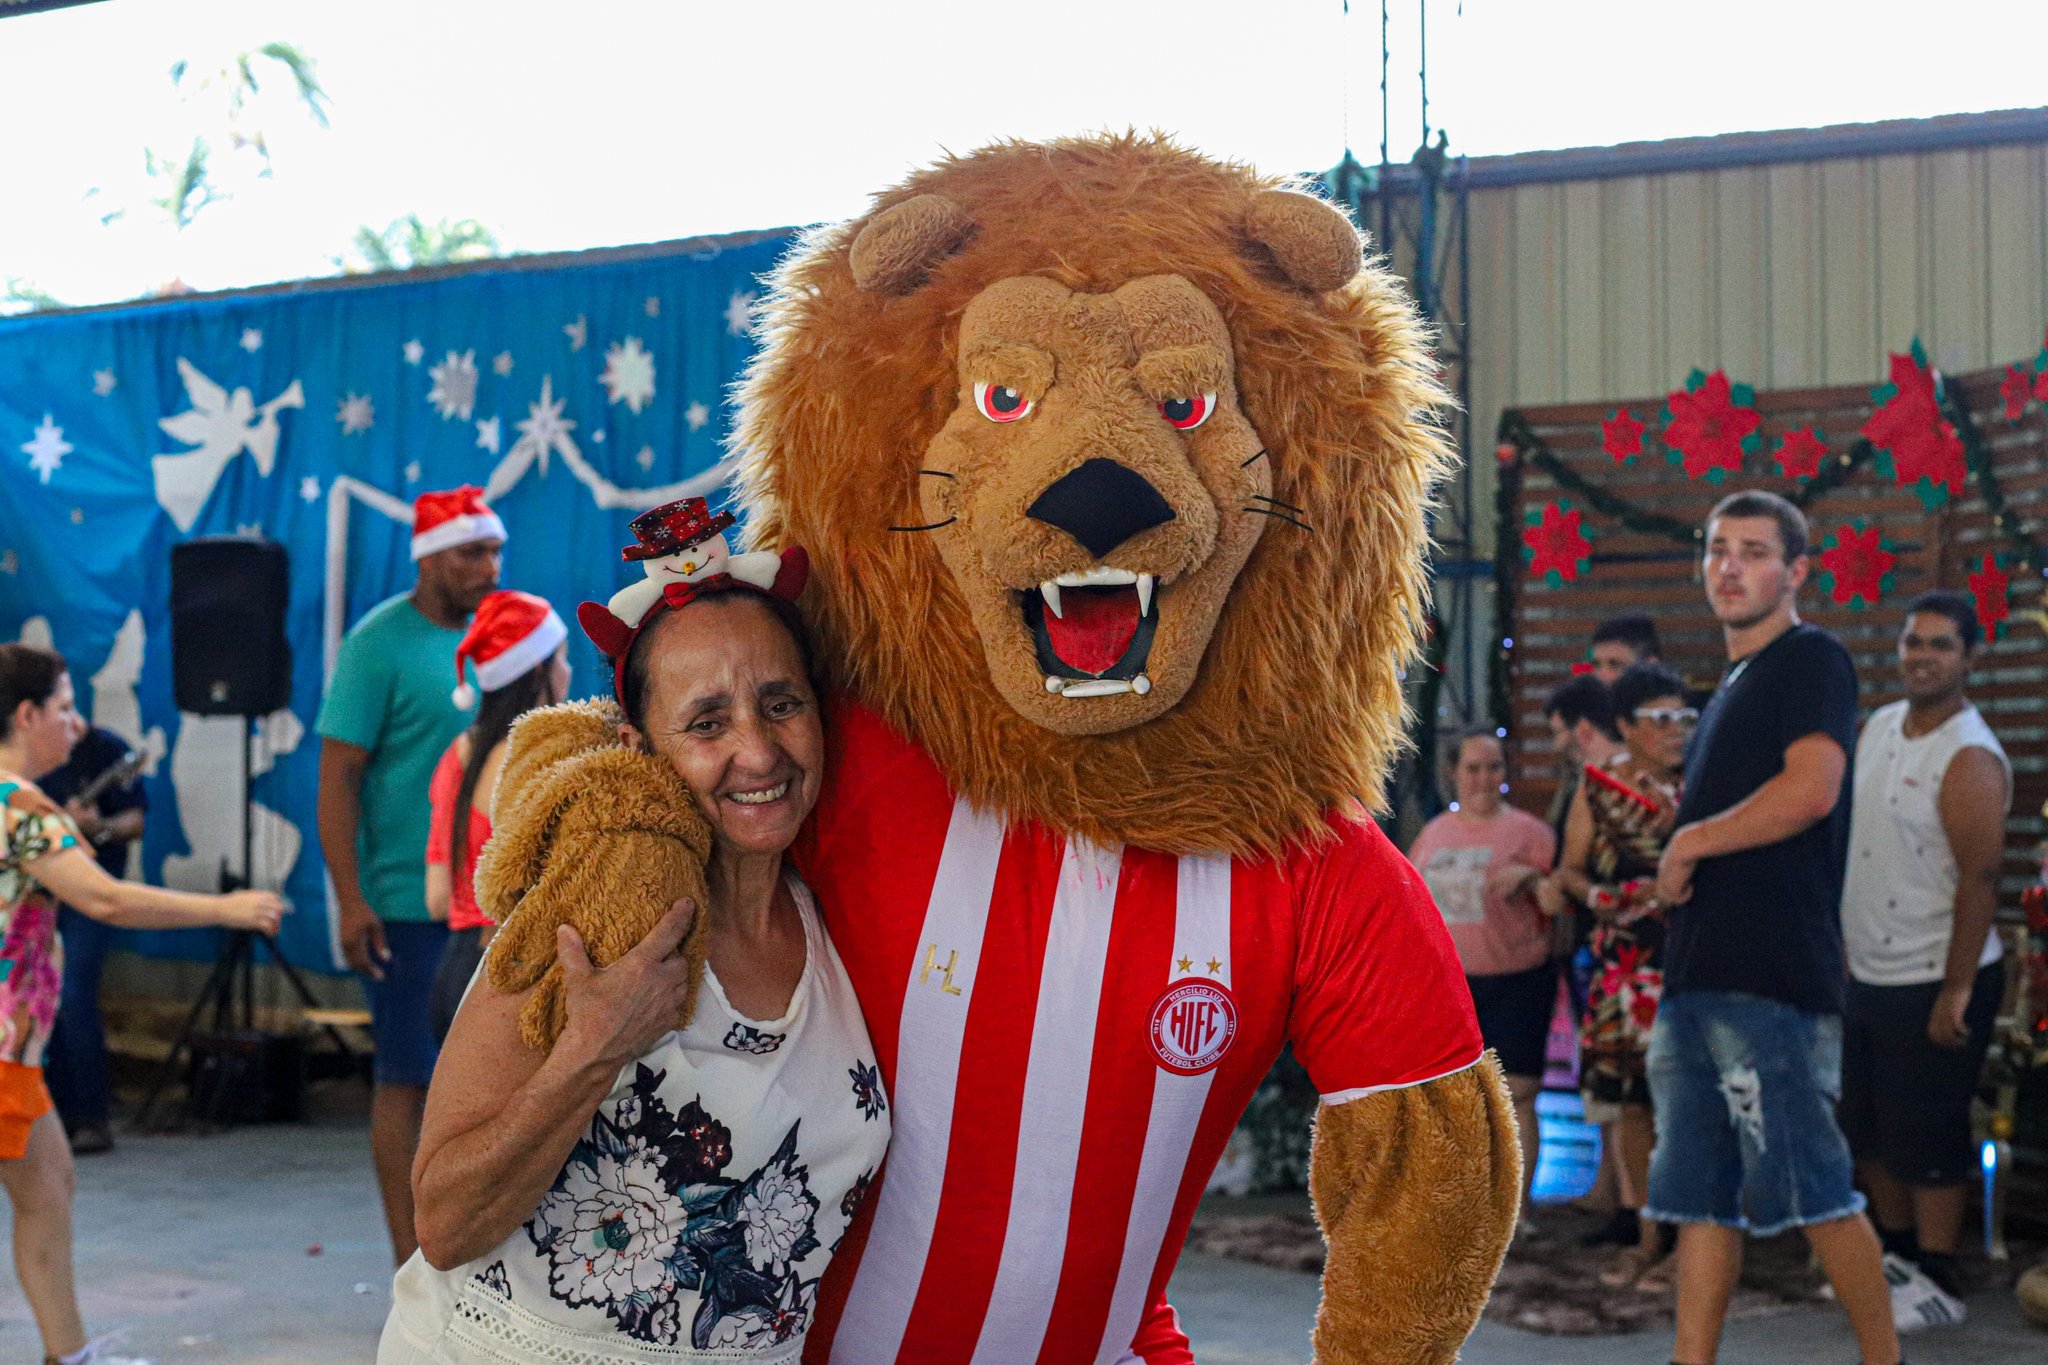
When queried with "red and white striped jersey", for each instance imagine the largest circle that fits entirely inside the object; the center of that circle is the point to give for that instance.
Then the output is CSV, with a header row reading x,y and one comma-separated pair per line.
x,y
1069,1034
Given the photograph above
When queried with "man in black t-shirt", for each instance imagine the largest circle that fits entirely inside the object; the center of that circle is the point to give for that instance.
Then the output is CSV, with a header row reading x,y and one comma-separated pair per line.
x,y
1746,1058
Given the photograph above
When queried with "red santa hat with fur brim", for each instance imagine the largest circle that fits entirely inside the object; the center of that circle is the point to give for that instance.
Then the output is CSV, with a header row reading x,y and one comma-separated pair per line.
x,y
442,521
511,634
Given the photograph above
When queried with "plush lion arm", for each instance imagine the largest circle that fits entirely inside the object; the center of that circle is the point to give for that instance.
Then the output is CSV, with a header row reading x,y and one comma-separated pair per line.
x,y
1417,1190
589,834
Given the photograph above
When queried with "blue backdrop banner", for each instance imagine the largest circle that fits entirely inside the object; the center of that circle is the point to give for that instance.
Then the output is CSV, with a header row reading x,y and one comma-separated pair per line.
x,y
577,391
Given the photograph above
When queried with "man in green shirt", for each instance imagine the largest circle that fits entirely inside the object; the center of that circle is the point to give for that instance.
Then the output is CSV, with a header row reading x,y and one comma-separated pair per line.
x,y
389,712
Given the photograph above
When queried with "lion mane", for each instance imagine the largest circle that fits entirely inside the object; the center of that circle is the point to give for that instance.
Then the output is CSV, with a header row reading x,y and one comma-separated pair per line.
x,y
1296,709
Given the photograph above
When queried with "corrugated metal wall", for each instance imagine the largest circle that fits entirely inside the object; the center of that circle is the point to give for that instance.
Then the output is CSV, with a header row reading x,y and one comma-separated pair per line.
x,y
1786,276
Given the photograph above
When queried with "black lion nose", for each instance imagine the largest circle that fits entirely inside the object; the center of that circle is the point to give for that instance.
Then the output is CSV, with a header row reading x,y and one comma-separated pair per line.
x,y
1102,504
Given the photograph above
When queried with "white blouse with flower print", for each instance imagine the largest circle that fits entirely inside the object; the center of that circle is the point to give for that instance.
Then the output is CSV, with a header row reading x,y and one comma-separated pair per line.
x,y
695,1217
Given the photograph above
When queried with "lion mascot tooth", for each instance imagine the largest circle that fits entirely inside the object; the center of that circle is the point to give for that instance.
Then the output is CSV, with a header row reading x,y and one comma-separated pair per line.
x,y
1113,461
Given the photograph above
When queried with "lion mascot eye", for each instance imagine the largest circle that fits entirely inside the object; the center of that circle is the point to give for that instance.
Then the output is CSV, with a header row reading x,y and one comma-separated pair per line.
x,y
1001,404
1185,414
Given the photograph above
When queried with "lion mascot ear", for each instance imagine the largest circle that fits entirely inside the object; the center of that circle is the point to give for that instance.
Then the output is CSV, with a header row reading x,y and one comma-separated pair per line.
x,y
1311,241
896,252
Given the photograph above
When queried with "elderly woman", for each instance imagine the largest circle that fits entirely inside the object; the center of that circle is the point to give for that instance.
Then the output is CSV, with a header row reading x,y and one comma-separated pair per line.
x,y
643,1193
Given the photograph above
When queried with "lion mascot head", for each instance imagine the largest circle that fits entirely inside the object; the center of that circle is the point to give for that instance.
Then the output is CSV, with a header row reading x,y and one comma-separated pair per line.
x,y
1116,459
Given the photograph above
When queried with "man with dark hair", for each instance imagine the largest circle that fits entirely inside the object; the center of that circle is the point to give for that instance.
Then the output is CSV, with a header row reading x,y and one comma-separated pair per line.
x,y
1932,790
1745,1059
1622,642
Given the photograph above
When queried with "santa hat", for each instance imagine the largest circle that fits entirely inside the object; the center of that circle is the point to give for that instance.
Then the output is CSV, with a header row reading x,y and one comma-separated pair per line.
x,y
510,634
442,521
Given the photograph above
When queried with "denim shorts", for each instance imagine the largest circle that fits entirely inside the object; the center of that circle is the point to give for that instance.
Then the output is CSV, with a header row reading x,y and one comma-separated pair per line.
x,y
401,1017
1745,1091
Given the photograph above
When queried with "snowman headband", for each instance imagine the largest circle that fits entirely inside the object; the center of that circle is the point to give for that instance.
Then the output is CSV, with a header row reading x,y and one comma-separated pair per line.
x,y
614,637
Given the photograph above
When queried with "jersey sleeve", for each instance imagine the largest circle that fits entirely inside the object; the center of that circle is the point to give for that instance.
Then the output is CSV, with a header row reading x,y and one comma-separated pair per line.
x,y
1380,1001
358,695
441,794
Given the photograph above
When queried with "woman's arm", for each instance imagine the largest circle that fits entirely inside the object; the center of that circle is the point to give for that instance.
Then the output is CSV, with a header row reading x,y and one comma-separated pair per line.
x,y
440,890
1578,848
73,877
502,1117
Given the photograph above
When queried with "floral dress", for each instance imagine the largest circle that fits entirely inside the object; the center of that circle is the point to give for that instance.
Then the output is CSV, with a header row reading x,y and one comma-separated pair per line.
x,y
31,955
697,1213
1632,814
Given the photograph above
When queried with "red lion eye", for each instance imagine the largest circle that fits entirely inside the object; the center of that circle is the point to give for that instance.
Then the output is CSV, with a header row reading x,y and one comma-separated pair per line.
x,y
1001,404
1185,414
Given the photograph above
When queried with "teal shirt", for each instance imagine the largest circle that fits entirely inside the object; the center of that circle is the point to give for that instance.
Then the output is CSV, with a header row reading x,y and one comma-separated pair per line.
x,y
392,693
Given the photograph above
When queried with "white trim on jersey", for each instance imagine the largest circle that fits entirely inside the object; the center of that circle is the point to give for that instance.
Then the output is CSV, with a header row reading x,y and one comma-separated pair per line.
x,y
928,1048
1201,918
1056,1097
1346,1096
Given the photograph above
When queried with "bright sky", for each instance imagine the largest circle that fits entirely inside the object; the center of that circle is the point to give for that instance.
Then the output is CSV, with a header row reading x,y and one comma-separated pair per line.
x,y
565,125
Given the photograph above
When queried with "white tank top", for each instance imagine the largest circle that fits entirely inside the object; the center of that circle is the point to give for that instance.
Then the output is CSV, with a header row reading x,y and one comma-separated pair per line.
x,y
694,1219
1899,894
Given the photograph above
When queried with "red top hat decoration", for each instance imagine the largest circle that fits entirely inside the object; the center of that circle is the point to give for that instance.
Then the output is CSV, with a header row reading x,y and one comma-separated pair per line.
x,y
674,527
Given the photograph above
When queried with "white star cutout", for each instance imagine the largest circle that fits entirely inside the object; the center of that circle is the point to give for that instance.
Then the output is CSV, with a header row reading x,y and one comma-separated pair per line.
x,y
249,528
487,434
10,563
252,340
103,382
412,472
47,451
597,437
695,416
78,516
414,352
645,459
653,306
502,363
356,413
739,312
309,488
629,374
578,333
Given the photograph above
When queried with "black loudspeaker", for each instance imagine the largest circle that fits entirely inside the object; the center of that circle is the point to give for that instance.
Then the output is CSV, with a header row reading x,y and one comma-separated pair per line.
x,y
229,656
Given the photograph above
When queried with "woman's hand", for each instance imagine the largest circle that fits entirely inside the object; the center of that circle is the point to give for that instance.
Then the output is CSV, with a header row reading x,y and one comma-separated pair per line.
x,y
255,911
620,1012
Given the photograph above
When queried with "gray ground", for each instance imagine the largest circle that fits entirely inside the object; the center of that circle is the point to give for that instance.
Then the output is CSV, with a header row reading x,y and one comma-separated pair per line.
x,y
202,1247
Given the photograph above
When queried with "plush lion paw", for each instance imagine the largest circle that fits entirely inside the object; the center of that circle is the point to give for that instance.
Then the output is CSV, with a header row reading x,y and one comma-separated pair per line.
x,y
589,834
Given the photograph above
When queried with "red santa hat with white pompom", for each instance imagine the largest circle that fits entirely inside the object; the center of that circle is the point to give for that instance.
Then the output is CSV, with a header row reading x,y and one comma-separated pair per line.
x,y
442,521
511,633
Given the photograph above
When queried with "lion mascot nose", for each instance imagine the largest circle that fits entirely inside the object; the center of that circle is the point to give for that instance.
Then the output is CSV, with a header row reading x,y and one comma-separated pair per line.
x,y
1101,504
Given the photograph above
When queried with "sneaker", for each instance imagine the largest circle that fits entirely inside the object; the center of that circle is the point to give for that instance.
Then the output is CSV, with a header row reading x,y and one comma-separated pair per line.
x,y
1918,1302
99,1351
91,1139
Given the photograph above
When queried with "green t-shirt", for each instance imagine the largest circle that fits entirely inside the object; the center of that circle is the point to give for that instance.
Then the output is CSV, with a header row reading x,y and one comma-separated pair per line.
x,y
392,693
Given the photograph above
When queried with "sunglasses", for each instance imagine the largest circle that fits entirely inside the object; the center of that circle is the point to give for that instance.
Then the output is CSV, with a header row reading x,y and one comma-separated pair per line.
x,y
1668,715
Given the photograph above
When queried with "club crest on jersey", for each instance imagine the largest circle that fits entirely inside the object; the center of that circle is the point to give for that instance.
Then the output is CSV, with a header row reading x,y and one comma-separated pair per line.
x,y
1193,1024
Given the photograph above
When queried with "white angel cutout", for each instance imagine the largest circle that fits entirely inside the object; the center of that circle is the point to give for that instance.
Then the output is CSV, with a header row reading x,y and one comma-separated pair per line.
x,y
222,426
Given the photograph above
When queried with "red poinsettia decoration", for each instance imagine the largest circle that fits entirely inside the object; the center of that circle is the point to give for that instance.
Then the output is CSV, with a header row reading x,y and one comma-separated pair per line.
x,y
2016,390
1709,424
1622,436
1988,585
1554,543
1856,566
1800,453
1925,453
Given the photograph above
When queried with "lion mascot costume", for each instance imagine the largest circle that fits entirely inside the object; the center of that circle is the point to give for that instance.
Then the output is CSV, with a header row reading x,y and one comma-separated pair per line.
x,y
1113,463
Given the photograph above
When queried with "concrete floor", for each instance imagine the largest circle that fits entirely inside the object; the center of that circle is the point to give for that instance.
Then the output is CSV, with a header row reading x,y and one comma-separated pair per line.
x,y
203,1249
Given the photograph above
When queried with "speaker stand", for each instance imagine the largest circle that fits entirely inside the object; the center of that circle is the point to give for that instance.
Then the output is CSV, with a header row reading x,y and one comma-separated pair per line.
x,y
230,988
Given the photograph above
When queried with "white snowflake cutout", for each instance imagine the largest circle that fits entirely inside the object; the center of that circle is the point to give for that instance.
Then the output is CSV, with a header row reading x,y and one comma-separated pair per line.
x,y
629,374
454,390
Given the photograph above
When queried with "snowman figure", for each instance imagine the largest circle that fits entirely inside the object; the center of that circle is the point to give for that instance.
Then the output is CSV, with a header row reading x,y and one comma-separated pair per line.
x,y
681,542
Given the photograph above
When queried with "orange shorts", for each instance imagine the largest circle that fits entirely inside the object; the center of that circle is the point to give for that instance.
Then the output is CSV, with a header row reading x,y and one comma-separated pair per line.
x,y
24,1098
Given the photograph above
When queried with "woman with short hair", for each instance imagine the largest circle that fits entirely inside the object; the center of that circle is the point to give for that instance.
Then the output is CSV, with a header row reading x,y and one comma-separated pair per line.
x,y
645,1193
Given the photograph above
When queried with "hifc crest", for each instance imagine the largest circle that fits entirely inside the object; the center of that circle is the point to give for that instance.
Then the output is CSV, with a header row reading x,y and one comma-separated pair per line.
x,y
1193,1024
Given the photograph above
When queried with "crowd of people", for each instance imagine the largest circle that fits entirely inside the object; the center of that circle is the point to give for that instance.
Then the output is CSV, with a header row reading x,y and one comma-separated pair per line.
x,y
1774,938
